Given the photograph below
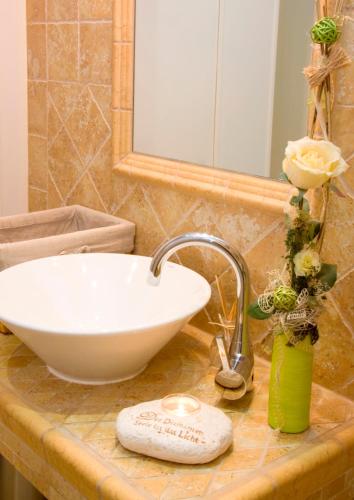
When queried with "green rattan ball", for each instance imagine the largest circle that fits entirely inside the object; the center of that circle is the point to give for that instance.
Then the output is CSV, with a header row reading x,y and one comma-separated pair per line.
x,y
284,298
325,31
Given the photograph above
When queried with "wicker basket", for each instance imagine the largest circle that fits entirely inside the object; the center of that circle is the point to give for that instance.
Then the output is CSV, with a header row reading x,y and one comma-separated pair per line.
x,y
60,231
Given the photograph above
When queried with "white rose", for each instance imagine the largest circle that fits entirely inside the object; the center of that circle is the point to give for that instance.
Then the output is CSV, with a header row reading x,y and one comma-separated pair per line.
x,y
307,263
309,163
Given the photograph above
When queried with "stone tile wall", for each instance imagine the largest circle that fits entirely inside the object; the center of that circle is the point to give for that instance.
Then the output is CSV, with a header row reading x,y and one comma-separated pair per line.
x,y
70,157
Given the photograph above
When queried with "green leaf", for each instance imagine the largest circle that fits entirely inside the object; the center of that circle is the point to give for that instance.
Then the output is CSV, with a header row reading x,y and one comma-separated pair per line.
x,y
256,312
283,177
328,274
305,205
300,202
313,229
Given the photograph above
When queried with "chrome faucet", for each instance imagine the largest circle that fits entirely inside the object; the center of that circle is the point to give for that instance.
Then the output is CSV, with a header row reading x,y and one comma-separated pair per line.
x,y
237,360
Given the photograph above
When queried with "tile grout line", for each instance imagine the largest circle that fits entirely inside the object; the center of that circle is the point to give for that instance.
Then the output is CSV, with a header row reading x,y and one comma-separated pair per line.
x,y
70,22
216,470
47,94
52,141
130,192
345,274
35,188
55,187
148,201
99,108
38,136
69,82
189,212
85,169
97,191
71,141
340,314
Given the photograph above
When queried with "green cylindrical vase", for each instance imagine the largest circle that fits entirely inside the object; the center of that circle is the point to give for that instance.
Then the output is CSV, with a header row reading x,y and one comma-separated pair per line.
x,y
290,385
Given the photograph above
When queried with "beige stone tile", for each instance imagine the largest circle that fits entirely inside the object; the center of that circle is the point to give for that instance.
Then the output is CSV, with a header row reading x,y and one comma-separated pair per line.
x,y
36,473
63,52
139,468
333,488
80,429
64,163
79,469
225,478
65,10
242,227
265,256
36,52
104,447
101,173
96,53
245,437
333,360
317,495
84,415
35,10
103,430
201,320
154,486
113,488
87,127
345,494
37,108
103,96
242,458
344,84
99,9
348,29
37,162
37,200
85,194
171,205
65,96
349,174
55,125
206,262
188,485
54,197
149,233
343,131
342,294
275,453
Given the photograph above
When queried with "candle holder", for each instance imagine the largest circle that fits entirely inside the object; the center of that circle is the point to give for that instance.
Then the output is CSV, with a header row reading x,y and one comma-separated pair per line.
x,y
180,405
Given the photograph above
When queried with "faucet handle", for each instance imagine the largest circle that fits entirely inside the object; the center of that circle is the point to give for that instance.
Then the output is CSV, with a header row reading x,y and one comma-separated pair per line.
x,y
226,377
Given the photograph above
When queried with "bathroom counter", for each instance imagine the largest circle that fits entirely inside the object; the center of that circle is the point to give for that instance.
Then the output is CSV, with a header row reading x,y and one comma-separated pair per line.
x,y
61,436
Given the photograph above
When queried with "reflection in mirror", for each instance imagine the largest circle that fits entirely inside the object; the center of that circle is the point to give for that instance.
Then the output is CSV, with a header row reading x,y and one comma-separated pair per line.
x,y
219,82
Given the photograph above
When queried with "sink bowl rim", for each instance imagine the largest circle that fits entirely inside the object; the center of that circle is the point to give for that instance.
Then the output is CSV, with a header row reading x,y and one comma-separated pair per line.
x,y
32,326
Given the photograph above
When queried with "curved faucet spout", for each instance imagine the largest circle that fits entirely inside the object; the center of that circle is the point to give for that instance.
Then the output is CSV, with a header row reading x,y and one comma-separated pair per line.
x,y
237,369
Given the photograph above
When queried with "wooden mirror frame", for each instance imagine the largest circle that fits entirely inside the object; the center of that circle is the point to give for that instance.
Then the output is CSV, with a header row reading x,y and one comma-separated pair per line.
x,y
219,184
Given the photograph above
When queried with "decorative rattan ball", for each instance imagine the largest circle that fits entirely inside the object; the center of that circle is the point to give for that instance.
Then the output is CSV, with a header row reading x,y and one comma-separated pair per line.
x,y
325,31
284,298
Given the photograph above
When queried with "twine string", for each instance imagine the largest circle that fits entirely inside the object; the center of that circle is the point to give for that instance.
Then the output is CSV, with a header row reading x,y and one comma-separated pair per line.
x,y
337,58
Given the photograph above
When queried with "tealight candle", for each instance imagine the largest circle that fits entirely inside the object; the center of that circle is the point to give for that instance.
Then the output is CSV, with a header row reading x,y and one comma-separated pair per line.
x,y
180,405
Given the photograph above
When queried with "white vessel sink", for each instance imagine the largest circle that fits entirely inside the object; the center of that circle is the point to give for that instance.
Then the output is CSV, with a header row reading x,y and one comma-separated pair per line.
x,y
95,318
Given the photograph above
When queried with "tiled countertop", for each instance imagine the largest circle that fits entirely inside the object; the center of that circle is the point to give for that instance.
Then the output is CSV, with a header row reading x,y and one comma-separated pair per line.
x,y
61,436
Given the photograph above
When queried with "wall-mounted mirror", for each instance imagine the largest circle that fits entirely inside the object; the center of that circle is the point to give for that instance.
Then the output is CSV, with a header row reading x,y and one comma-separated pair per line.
x,y
219,82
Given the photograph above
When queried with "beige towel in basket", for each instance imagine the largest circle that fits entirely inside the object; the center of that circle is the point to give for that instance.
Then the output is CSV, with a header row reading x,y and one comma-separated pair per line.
x,y
72,229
